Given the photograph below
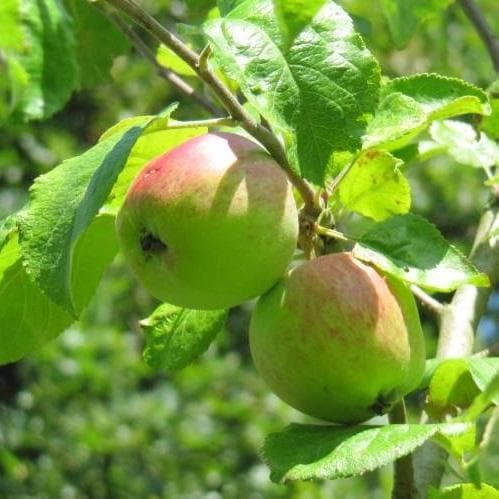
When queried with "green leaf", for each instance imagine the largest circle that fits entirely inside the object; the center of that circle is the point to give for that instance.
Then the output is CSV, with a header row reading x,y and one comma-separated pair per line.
x,y
8,227
28,318
411,248
451,387
464,491
303,452
484,371
397,121
63,204
458,443
170,60
261,13
375,187
11,34
294,15
404,16
315,95
490,395
430,368
225,6
93,253
490,124
48,59
493,181
439,96
409,105
176,336
464,144
98,42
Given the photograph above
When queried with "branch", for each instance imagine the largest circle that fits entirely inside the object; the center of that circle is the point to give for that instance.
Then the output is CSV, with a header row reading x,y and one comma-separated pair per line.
x,y
166,73
475,15
403,485
428,301
459,321
490,351
224,95
461,316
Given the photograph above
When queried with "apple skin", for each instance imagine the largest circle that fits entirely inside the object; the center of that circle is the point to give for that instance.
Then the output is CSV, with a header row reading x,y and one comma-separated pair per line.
x,y
337,341
209,224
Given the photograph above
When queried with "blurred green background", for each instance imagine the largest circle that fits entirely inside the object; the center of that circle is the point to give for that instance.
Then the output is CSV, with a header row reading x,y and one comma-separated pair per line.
x,y
85,417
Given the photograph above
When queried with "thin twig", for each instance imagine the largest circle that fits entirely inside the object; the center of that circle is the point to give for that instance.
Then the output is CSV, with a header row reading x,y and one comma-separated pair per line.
x,y
491,42
403,484
490,351
224,95
169,75
428,301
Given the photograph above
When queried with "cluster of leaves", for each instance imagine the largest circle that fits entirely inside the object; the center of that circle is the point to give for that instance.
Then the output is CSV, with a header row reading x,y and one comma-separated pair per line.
x,y
50,49
308,73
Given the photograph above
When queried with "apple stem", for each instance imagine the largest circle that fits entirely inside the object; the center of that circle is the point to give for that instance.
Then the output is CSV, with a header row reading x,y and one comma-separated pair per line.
x,y
200,65
403,480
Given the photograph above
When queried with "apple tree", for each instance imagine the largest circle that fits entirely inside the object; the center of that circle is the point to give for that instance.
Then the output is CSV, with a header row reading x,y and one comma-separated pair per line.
x,y
291,187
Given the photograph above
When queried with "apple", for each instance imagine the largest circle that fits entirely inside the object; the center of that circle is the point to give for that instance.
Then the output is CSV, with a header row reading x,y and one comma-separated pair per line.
x,y
338,341
209,224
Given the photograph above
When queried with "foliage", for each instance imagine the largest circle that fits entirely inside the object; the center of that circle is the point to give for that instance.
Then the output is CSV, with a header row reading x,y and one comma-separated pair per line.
x,y
373,137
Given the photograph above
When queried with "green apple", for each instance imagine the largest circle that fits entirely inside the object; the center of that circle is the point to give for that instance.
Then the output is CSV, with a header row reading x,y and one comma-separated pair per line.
x,y
209,224
337,341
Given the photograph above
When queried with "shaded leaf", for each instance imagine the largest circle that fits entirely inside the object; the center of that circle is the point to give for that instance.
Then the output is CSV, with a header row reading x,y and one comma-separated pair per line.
x,y
176,336
412,249
490,395
484,371
48,59
451,387
225,6
404,17
98,42
294,15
